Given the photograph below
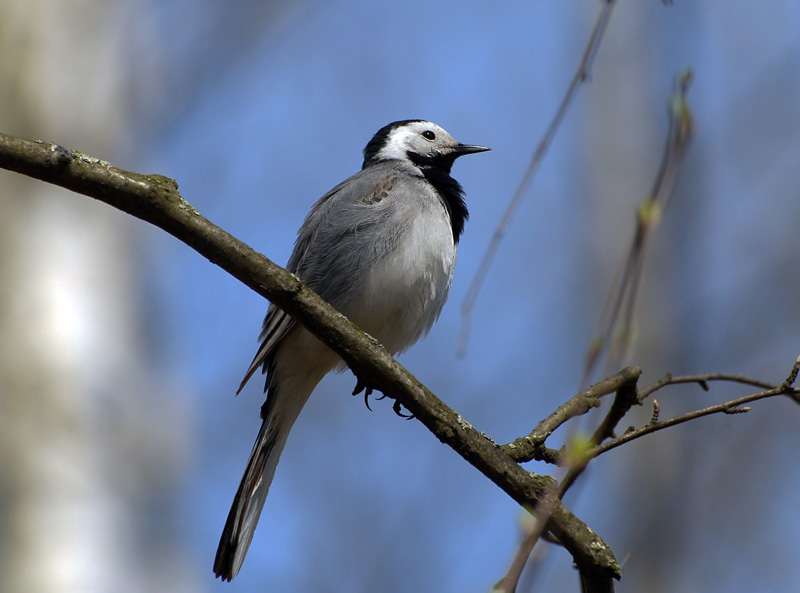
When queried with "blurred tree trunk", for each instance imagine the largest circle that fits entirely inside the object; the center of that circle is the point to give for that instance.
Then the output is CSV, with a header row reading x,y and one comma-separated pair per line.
x,y
73,425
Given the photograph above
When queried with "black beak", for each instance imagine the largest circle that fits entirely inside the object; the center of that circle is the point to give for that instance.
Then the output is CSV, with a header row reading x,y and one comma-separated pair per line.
x,y
460,149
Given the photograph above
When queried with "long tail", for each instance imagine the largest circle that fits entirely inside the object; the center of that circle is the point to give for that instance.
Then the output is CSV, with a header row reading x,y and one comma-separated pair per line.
x,y
250,497
299,365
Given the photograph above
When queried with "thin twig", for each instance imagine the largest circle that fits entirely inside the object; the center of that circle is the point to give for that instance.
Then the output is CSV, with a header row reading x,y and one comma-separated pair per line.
x,y
529,447
734,406
509,582
617,319
701,380
627,395
574,458
625,398
792,376
582,75
656,412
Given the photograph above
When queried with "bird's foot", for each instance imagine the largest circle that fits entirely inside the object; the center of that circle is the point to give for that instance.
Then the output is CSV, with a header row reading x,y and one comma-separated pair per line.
x,y
397,410
361,386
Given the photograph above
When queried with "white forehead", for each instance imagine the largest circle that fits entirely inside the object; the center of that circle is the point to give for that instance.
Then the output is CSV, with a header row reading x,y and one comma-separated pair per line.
x,y
410,137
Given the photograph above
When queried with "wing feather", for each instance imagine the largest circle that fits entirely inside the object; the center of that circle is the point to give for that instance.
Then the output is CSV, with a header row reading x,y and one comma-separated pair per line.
x,y
326,254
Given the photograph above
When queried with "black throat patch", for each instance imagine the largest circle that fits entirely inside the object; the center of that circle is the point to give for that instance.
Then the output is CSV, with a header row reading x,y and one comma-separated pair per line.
x,y
437,171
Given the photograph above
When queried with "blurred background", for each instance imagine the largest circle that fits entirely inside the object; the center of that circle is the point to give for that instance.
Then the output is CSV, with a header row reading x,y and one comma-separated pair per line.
x,y
121,444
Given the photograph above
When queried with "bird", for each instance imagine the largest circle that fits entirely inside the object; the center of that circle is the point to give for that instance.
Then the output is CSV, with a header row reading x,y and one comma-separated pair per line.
x,y
380,247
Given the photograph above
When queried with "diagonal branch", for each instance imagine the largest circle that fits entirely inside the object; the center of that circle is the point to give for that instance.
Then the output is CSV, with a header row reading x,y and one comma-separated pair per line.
x,y
155,199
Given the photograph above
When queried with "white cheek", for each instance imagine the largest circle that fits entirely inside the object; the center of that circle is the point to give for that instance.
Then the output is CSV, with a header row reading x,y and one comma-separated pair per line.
x,y
392,151
398,145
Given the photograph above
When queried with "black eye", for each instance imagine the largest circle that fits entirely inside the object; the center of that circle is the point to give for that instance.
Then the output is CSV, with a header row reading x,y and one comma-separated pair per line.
x,y
429,135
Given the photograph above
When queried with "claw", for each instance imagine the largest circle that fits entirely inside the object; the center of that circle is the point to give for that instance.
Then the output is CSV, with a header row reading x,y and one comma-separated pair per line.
x,y
399,411
361,386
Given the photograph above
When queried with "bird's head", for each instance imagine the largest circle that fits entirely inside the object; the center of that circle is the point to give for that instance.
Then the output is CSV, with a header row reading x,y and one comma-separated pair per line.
x,y
420,142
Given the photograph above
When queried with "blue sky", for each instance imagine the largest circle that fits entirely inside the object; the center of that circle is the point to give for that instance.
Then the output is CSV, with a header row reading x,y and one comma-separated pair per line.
x,y
258,112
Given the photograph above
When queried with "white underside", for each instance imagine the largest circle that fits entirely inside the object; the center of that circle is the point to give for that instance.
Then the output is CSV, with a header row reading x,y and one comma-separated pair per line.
x,y
406,291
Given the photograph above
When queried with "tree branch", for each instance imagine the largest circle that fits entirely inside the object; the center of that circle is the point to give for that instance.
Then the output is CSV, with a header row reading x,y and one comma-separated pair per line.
x,y
734,406
155,199
532,446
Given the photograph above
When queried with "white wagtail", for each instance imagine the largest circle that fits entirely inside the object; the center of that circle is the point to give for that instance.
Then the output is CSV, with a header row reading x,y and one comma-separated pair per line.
x,y
379,247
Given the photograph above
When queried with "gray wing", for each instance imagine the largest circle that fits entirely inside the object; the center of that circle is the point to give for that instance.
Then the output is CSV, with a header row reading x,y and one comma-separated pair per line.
x,y
276,325
356,224
345,233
